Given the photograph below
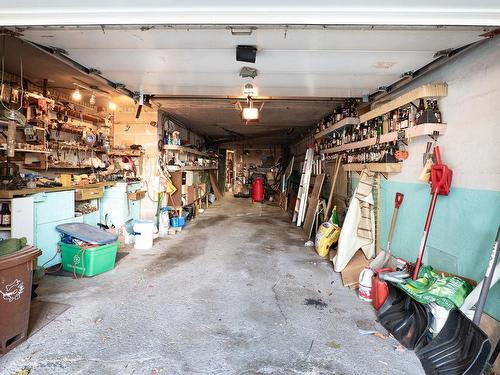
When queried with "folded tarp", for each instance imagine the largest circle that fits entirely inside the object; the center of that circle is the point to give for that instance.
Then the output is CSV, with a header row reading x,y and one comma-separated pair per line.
x,y
87,233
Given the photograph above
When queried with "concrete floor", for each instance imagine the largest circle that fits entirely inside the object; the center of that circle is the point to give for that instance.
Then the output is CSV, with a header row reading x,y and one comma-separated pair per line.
x,y
226,296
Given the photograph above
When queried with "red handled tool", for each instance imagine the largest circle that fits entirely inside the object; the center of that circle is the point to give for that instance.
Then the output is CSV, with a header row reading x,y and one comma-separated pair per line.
x,y
440,185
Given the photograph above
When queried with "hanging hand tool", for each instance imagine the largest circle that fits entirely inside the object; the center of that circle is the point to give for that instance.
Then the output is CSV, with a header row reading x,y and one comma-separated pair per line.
x,y
384,256
441,177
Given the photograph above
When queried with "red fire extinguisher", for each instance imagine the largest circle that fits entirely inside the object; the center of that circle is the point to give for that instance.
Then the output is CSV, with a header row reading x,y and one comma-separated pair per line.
x,y
258,189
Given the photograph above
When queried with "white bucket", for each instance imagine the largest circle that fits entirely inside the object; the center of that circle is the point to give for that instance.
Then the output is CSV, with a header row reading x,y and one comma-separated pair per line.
x,y
143,234
365,284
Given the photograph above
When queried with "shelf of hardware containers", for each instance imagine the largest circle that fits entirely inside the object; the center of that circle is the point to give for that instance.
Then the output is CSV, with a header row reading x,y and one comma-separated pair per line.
x,y
34,151
336,126
435,90
415,131
174,168
373,167
188,150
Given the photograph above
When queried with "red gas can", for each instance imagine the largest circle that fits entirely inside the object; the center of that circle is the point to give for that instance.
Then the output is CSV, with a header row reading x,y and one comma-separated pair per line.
x,y
380,291
258,189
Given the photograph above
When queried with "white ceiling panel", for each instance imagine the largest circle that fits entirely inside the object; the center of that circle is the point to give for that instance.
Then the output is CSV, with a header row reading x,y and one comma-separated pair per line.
x,y
293,61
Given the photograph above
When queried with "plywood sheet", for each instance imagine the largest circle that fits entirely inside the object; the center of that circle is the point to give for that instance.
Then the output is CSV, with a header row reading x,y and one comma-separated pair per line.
x,y
312,206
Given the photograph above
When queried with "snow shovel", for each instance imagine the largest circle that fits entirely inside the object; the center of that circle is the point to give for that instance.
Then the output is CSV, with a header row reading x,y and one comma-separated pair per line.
x,y
384,256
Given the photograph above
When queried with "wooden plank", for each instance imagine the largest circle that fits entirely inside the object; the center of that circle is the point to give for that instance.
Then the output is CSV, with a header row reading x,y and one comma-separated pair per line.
x,y
415,131
338,125
8,194
173,168
215,187
329,205
374,167
312,207
188,150
435,90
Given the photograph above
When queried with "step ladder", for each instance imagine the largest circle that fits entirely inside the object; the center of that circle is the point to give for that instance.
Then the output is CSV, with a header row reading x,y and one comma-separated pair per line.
x,y
305,178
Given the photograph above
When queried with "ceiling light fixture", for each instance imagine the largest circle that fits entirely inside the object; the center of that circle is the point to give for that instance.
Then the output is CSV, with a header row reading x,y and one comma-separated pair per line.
x,y
76,95
250,113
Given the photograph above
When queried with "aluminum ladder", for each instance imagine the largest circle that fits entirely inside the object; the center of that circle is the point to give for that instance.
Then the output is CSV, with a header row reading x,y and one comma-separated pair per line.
x,y
305,178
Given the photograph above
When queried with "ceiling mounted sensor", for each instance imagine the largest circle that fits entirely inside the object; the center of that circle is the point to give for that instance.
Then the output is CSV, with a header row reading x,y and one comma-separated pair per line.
x,y
249,90
246,53
247,72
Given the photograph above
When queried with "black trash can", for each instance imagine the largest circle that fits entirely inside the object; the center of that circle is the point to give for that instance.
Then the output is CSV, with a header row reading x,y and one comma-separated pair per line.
x,y
16,276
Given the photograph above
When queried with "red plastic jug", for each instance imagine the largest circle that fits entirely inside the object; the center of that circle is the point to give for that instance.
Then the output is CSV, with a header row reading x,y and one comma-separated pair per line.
x,y
380,291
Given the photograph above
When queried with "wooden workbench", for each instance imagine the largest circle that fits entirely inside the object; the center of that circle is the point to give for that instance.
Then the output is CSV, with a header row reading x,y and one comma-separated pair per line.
x,y
8,194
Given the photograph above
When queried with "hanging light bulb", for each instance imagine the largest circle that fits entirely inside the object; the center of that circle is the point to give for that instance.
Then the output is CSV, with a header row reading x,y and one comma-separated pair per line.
x,y
76,95
112,106
92,99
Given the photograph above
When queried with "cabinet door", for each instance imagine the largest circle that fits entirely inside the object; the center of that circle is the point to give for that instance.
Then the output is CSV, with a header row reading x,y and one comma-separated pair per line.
x,y
50,207
91,218
23,219
47,238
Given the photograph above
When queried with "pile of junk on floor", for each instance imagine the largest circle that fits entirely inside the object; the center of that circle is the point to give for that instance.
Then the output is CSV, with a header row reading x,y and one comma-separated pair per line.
x,y
434,313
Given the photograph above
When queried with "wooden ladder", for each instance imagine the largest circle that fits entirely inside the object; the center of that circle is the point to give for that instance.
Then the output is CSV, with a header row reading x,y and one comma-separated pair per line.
x,y
305,178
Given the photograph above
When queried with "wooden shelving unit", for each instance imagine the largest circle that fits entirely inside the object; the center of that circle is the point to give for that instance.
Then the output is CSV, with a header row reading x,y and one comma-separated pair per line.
x,y
338,125
436,90
175,168
373,167
131,153
416,131
186,150
3,147
53,166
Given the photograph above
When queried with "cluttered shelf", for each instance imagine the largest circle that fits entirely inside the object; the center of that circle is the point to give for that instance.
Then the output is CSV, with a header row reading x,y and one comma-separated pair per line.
x,y
188,150
175,168
415,131
426,91
3,147
373,167
7,194
124,152
336,126
54,166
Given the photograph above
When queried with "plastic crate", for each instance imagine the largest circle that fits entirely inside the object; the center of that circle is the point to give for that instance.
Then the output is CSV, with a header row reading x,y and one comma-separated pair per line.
x,y
177,221
88,262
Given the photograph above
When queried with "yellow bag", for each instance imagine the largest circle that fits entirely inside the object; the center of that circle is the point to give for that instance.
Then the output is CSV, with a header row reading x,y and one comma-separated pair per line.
x,y
327,235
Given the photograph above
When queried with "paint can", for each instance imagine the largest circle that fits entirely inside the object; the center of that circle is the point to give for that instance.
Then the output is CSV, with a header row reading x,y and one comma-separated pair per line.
x,y
365,284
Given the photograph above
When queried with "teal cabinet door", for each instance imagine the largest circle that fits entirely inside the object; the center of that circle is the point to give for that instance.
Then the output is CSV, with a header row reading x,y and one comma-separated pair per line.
x,y
92,218
47,238
54,206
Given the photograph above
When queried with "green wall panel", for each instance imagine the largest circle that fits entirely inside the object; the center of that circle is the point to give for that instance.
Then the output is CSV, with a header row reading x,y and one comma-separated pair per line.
x,y
462,232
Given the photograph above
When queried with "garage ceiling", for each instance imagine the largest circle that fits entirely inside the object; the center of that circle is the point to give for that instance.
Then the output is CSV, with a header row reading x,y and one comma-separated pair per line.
x,y
186,49
313,62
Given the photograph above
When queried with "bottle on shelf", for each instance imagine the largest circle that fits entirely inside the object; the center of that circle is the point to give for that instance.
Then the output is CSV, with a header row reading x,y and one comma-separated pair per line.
x,y
5,215
420,110
436,110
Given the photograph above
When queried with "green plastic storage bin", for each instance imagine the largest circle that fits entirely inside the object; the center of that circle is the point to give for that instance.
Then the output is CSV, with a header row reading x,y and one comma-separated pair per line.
x,y
90,262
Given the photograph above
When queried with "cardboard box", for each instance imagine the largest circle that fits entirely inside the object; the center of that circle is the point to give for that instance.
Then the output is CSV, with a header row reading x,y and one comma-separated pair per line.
x,y
350,274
